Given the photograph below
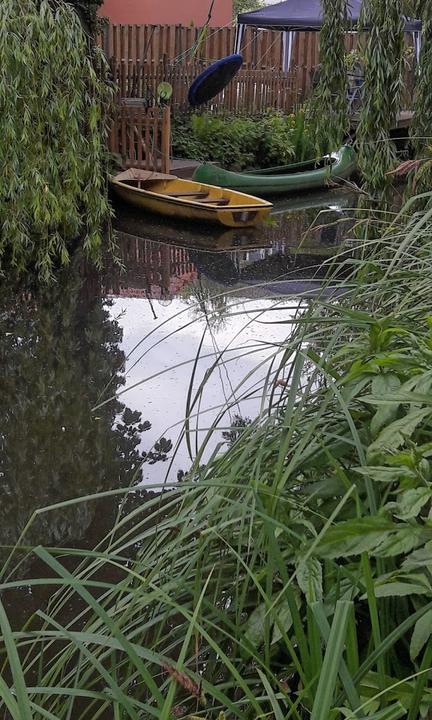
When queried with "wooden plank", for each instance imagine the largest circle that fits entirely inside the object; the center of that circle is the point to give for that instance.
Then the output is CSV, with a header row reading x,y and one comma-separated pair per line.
x,y
115,43
130,53
138,42
147,29
275,50
140,140
178,40
171,42
107,46
123,151
309,61
166,141
166,40
157,134
156,45
132,137
122,43
147,163
304,69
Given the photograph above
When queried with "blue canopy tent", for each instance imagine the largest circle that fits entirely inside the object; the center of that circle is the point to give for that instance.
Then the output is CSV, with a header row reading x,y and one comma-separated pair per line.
x,y
291,16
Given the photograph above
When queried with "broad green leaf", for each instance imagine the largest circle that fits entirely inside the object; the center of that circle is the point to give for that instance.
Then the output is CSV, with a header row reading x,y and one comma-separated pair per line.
x,y
400,542
421,634
395,434
411,502
371,685
382,473
309,578
353,537
382,385
420,383
255,625
421,558
400,589
352,389
285,621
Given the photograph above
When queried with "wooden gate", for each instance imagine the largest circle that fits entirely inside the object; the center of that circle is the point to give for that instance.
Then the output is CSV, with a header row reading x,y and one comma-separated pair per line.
x,y
142,136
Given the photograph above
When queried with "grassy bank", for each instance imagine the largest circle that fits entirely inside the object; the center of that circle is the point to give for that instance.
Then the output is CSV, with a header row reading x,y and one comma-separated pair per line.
x,y
289,577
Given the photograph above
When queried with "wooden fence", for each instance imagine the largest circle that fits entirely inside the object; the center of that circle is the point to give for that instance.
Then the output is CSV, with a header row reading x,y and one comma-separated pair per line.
x,y
141,56
142,137
252,92
260,48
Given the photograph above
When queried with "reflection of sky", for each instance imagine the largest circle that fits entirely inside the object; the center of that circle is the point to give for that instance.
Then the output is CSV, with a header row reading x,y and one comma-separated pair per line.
x,y
162,397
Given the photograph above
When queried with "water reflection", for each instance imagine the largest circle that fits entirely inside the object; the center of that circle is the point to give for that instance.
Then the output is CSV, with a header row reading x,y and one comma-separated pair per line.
x,y
60,353
173,357
190,290
67,349
162,259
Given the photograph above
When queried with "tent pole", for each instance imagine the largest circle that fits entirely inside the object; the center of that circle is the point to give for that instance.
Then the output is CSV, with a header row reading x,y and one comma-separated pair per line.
x,y
417,38
239,35
287,48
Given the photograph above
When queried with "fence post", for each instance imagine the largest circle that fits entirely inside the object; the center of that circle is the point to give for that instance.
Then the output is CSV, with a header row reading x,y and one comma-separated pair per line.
x,y
166,140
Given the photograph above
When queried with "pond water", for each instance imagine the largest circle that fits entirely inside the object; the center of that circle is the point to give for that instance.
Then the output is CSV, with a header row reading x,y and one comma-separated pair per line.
x,y
96,370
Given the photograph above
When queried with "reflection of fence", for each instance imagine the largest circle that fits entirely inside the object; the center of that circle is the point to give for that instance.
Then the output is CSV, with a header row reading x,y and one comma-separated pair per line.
x,y
141,136
153,269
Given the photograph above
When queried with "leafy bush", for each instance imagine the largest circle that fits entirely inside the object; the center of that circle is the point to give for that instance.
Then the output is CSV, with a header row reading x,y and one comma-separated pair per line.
x,y
240,143
231,143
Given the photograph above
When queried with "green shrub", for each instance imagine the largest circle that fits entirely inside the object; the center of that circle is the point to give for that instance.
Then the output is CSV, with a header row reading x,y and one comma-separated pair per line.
x,y
231,143
240,143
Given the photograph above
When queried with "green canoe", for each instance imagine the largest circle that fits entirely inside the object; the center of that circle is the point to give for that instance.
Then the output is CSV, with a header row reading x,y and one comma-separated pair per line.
x,y
284,179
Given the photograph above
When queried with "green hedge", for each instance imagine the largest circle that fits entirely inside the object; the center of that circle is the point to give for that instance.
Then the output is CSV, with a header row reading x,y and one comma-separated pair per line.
x,y
243,142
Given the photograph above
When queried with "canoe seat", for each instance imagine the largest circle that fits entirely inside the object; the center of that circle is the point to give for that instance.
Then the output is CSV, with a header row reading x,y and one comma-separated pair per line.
x,y
187,194
220,201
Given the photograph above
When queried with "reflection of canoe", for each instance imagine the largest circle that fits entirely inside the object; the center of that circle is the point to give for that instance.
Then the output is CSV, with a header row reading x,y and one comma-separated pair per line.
x,y
337,200
283,179
175,197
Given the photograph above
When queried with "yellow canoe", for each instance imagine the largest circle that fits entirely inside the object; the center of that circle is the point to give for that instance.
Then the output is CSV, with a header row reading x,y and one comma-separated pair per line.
x,y
174,197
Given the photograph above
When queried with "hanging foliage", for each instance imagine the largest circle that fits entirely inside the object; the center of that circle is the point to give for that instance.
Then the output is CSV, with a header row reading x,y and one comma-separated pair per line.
x,y
421,129
87,10
54,97
330,108
384,57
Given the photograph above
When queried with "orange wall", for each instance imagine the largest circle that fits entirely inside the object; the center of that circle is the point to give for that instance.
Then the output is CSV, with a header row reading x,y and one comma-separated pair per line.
x,y
167,12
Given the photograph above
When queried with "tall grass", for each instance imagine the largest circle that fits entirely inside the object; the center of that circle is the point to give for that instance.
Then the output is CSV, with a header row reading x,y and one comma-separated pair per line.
x,y
288,577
